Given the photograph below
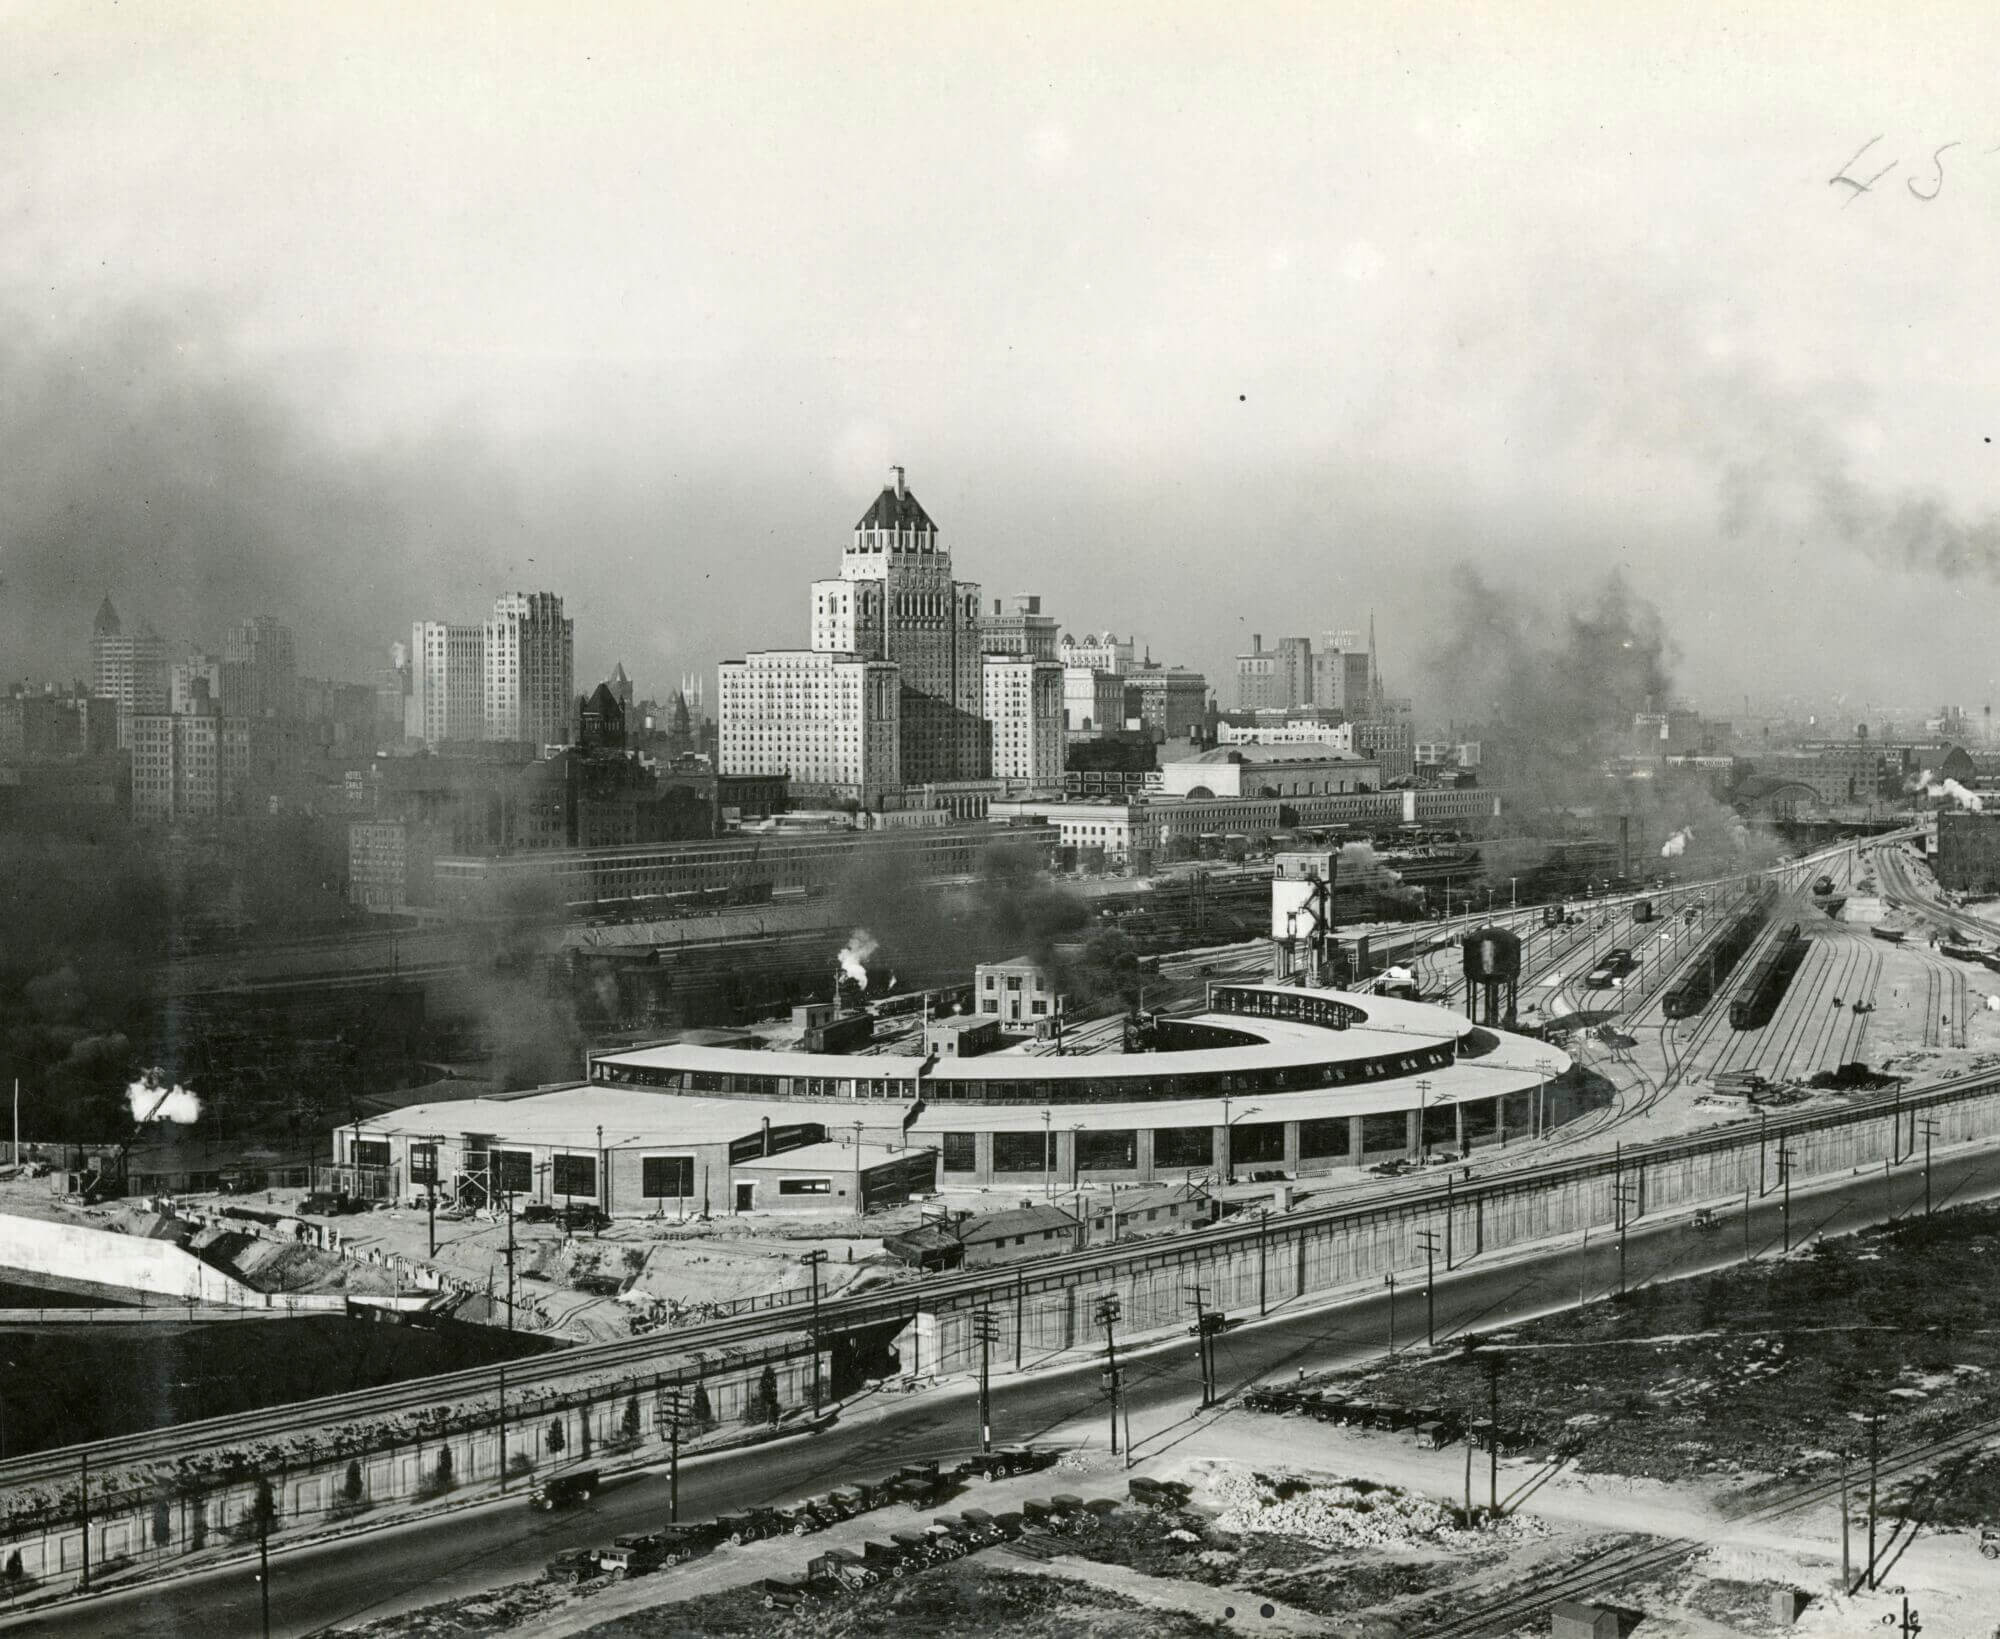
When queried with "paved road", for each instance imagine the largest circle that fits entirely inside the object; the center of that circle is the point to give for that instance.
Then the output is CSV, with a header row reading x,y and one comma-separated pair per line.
x,y
358,1578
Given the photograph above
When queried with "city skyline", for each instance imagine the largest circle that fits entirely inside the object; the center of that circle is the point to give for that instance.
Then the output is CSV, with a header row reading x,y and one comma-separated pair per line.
x,y
1207,344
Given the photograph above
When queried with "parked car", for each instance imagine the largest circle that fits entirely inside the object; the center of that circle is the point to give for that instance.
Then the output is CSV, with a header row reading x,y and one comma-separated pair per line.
x,y
572,1565
588,1219
785,1593
564,1490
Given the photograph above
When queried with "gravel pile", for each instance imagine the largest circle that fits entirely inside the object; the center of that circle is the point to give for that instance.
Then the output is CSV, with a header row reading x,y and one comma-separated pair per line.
x,y
1346,1514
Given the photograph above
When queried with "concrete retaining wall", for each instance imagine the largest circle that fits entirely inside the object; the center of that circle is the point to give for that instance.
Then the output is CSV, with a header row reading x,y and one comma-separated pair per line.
x,y
182,1517
1293,1260
100,1260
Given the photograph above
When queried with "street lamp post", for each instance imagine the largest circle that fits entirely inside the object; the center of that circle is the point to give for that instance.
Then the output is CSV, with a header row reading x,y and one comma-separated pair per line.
x,y
1048,1157
1229,1137
1423,1106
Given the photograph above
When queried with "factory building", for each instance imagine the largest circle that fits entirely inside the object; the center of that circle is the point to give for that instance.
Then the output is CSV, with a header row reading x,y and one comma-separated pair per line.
x,y
628,1153
1968,852
1252,770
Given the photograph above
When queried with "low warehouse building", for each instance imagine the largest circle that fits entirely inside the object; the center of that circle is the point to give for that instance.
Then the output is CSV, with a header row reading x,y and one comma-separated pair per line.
x,y
611,1147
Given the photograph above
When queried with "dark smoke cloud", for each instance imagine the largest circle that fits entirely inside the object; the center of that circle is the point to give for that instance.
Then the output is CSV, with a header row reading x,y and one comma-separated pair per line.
x,y
1800,479
1555,685
1010,908
149,459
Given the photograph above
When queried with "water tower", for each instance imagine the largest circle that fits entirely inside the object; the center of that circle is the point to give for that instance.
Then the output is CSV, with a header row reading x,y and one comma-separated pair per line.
x,y
1492,965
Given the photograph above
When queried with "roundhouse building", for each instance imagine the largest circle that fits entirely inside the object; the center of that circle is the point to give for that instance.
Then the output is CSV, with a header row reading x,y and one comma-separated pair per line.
x,y
1266,1077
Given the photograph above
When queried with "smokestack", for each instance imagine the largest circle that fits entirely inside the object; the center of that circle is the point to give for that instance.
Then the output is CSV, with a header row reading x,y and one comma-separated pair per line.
x,y
767,1135
901,491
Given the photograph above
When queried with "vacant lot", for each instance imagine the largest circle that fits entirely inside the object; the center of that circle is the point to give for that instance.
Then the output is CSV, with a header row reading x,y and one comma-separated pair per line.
x,y
1753,1373
969,1599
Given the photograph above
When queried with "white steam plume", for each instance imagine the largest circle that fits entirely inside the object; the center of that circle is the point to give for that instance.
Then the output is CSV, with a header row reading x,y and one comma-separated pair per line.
x,y
1676,845
1958,794
176,1104
861,944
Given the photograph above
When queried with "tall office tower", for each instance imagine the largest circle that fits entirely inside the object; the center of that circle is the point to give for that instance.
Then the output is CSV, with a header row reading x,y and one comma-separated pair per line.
x,y
826,721
529,654
1023,629
447,698
191,766
1023,706
128,667
896,601
184,675
260,671
1341,676
1275,679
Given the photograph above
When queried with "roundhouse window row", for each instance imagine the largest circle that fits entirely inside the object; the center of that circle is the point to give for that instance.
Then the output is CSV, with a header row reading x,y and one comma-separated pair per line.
x,y
1130,1089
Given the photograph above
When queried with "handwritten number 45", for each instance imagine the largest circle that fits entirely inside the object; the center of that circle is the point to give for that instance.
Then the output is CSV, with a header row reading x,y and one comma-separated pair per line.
x,y
1859,185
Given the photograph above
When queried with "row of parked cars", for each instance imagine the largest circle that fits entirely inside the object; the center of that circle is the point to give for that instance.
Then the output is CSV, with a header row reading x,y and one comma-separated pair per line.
x,y
918,1485
1434,1426
951,1536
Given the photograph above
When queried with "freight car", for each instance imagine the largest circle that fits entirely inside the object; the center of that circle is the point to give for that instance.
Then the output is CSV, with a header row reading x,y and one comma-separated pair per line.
x,y
1758,996
1698,986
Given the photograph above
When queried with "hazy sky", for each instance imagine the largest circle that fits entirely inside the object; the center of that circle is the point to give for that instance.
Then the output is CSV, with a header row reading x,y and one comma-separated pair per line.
x,y
1197,320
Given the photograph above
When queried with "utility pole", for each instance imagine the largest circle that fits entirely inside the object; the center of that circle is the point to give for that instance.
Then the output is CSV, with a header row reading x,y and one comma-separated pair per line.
x,y
1390,1281
1429,1240
1846,1557
502,1420
673,1409
1195,1296
264,1560
510,1260
1107,1311
83,1508
1493,1433
1874,1476
1785,1179
1929,1124
812,1260
1263,1260
987,1330
1627,1200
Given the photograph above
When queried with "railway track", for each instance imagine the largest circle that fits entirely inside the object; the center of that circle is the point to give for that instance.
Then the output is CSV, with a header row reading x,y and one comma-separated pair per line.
x,y
663,1355
1606,1573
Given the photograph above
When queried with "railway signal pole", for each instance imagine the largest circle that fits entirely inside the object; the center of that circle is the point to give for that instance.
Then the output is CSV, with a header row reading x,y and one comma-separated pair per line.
x,y
1428,1239
987,1330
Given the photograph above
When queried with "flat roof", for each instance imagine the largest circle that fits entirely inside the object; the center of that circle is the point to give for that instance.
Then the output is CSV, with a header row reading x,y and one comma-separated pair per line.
x,y
1391,1025
834,1157
667,1119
